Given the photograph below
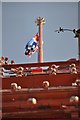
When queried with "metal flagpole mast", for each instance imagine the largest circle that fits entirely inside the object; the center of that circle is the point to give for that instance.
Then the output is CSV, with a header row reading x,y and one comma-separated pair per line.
x,y
40,22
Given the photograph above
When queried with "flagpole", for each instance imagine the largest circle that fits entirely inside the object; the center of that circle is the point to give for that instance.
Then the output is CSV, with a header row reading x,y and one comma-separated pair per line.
x,y
40,22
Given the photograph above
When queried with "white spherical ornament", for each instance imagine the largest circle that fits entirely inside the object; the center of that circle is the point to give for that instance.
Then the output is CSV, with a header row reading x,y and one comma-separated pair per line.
x,y
74,70
13,86
45,84
78,82
74,99
74,84
19,87
32,100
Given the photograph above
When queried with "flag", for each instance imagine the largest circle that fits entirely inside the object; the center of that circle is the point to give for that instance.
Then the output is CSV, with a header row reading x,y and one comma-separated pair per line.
x,y
32,46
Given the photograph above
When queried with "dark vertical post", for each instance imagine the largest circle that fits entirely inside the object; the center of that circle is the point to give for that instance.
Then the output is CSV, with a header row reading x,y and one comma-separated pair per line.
x,y
79,47
79,27
77,35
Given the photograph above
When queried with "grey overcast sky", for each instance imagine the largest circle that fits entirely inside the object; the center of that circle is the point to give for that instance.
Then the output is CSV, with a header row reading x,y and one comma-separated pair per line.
x,y
18,27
